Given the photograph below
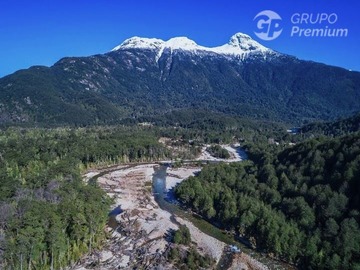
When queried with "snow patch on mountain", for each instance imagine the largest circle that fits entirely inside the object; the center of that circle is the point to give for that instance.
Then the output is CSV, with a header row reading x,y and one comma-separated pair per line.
x,y
239,45
140,43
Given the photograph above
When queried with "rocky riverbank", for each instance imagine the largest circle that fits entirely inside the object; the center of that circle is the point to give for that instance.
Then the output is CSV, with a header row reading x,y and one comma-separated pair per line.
x,y
139,228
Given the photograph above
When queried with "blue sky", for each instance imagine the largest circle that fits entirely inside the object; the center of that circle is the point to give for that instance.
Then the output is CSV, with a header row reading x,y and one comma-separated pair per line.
x,y
42,32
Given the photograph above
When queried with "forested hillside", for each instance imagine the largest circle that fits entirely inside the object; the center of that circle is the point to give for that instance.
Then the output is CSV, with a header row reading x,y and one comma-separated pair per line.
x,y
301,205
132,83
334,128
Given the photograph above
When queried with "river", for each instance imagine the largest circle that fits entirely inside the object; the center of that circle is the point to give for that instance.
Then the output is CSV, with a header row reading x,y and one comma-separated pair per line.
x,y
162,196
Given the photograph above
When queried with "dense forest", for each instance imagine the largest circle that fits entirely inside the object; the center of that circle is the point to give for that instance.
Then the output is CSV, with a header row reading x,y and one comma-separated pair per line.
x,y
334,128
48,216
300,204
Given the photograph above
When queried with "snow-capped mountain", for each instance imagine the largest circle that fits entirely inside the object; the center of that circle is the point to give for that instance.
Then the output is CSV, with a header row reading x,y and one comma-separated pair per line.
x,y
240,45
146,77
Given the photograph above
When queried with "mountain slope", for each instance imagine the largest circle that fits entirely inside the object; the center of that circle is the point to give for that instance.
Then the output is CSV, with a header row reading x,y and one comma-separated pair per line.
x,y
146,77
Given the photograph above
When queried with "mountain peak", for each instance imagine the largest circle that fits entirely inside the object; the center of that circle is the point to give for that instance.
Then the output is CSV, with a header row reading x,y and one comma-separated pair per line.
x,y
245,43
140,43
239,45
240,35
240,38
181,43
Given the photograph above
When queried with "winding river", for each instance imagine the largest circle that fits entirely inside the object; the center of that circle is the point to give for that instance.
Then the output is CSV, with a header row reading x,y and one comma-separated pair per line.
x,y
161,196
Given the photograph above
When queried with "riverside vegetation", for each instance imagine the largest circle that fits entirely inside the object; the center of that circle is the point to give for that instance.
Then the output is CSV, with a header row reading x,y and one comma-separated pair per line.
x,y
299,203
48,216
